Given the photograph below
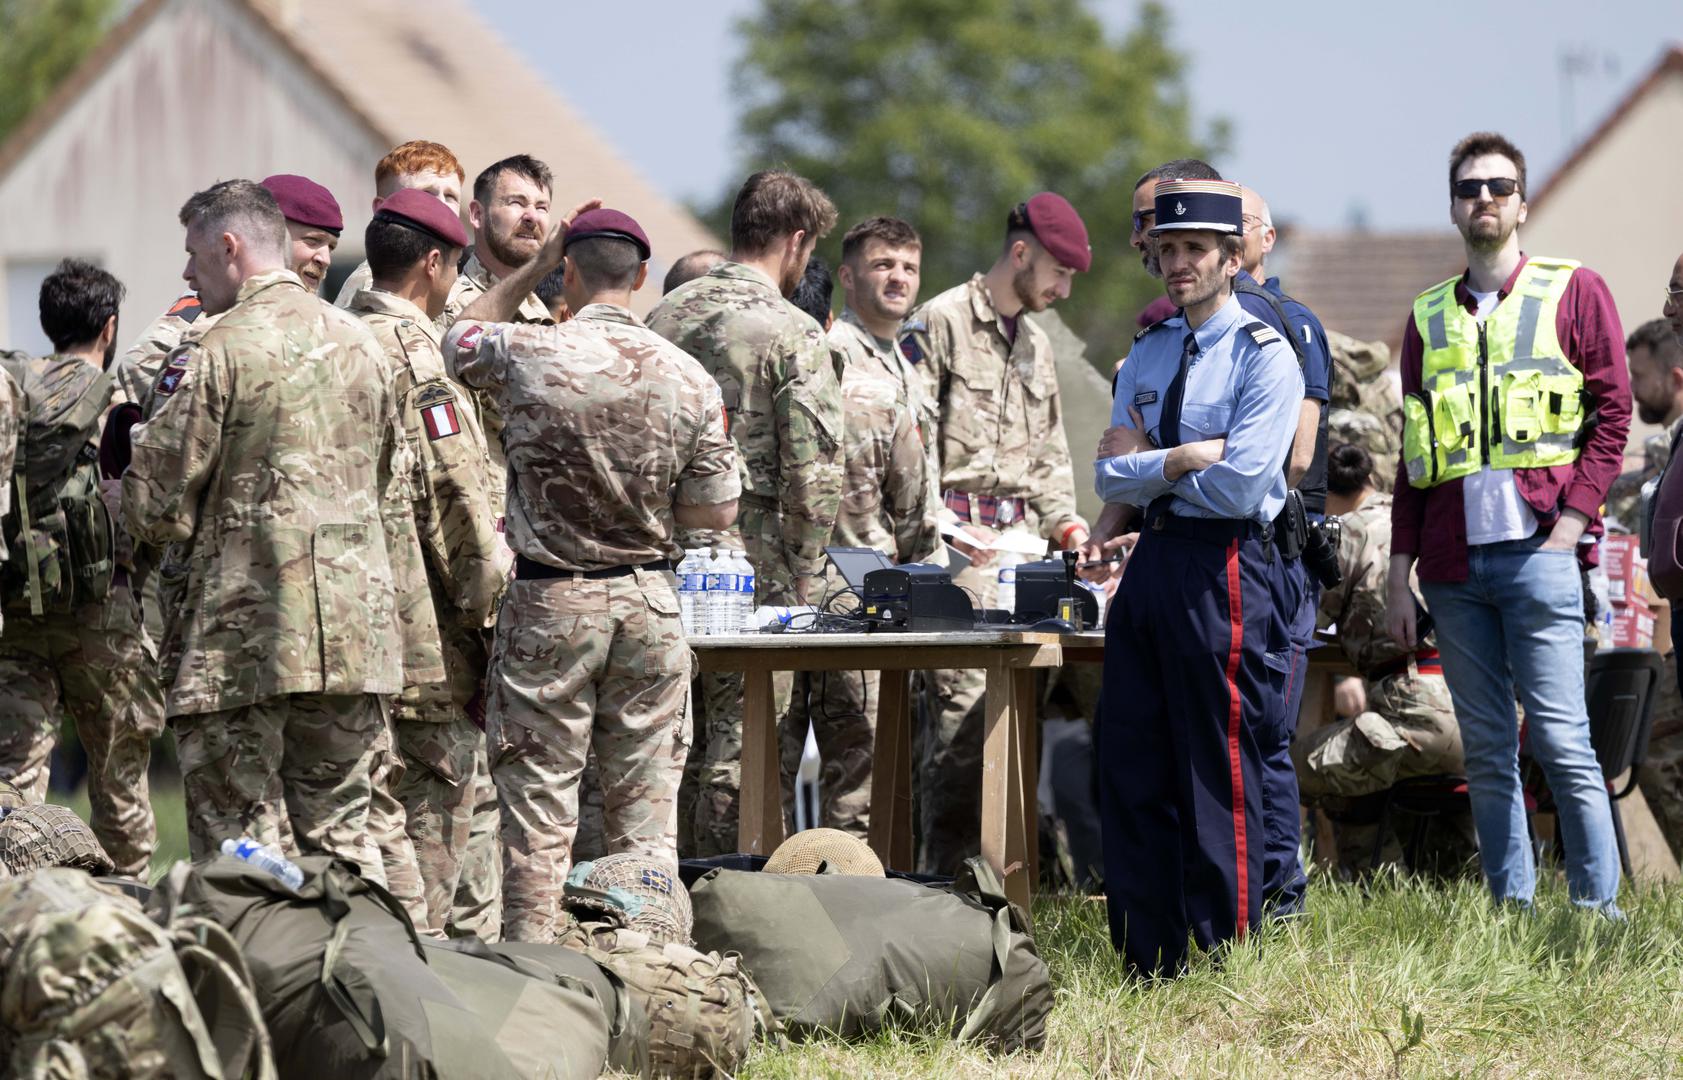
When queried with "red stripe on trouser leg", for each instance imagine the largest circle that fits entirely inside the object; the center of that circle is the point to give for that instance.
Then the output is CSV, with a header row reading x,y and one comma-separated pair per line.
x,y
1235,710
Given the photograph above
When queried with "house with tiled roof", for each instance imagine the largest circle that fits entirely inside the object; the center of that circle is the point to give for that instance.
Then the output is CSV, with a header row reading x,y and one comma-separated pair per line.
x,y
182,93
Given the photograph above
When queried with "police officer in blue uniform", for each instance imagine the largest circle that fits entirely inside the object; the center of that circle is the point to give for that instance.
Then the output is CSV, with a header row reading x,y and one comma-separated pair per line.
x,y
1298,595
1195,660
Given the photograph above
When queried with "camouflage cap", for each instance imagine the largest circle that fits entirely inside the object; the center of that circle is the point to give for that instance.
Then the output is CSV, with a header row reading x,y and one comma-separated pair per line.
x,y
48,835
643,890
824,851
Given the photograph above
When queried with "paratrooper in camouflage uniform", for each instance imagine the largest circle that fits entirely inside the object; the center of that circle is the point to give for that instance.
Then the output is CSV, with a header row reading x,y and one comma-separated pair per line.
x,y
783,409
888,503
274,448
1408,728
1365,406
612,433
437,742
1001,444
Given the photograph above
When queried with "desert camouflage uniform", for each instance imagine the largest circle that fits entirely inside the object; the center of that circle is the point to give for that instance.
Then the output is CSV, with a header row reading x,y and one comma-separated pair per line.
x,y
1000,434
1661,774
467,566
784,412
888,503
1365,407
275,447
607,426
1409,727
92,662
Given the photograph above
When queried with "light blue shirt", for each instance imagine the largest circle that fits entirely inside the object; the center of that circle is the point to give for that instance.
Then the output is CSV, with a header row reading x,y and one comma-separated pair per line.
x,y
1237,387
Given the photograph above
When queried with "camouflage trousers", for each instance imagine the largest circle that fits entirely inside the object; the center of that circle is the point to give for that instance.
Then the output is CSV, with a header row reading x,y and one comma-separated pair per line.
x,y
294,771
428,784
478,907
1409,730
711,791
583,665
948,751
97,665
1661,774
841,707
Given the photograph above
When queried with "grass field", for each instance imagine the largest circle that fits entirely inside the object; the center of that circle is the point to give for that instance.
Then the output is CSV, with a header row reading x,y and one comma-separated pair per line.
x,y
1406,979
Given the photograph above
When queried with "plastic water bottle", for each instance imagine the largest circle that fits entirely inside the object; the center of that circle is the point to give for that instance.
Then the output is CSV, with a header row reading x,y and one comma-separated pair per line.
x,y
265,858
1008,589
744,620
720,598
692,585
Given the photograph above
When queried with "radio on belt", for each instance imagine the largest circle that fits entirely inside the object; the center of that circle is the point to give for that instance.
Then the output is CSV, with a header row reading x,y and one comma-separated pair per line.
x,y
916,597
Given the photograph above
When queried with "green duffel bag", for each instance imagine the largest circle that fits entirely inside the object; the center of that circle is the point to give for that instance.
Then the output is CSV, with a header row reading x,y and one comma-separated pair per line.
x,y
628,1024
338,970
851,955
549,1027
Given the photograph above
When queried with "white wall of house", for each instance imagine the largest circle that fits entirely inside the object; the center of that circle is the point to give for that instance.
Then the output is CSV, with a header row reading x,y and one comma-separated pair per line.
x,y
201,94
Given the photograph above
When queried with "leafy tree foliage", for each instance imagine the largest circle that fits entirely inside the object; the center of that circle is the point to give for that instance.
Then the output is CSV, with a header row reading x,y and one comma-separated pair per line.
x,y
949,112
42,41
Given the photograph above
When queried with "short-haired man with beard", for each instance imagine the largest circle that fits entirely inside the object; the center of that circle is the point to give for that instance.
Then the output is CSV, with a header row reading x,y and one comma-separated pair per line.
x,y
783,404
1205,411
888,495
1516,405
1145,218
417,165
1004,466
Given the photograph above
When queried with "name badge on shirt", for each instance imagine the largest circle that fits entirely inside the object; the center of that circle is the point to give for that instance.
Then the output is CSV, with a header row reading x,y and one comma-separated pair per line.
x,y
1145,397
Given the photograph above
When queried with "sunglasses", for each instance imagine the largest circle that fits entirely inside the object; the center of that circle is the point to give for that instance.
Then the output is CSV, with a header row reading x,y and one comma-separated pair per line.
x,y
1500,187
1144,219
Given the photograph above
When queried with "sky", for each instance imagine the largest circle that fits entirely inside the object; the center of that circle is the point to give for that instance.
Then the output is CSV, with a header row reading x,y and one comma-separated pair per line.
x,y
1341,112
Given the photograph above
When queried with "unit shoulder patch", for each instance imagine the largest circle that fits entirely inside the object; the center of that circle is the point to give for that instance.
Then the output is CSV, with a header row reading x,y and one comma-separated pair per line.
x,y
175,369
187,308
437,405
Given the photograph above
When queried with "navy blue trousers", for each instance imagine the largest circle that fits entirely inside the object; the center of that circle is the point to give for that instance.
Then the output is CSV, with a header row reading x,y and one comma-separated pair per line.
x,y
1295,597
1187,686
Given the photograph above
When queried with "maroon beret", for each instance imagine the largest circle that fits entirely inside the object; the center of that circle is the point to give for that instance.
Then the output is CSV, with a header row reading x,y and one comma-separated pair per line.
x,y
415,209
306,202
1060,230
605,222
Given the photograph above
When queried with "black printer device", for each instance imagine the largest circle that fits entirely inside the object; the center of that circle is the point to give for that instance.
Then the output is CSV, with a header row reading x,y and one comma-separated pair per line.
x,y
916,597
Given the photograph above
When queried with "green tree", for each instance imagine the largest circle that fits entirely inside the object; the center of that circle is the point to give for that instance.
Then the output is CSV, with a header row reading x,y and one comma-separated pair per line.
x,y
42,41
949,112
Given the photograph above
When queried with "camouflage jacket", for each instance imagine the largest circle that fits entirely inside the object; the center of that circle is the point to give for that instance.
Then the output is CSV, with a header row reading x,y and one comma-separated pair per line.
x,y
138,368
608,427
888,489
466,561
275,446
1624,498
1357,606
1000,425
781,397
1366,406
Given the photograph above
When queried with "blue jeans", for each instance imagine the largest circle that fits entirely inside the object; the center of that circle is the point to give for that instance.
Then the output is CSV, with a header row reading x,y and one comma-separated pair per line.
x,y
1517,622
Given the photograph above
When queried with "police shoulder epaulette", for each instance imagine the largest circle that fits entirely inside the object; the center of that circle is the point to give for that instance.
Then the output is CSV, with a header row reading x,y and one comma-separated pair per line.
x,y
1263,334
1148,329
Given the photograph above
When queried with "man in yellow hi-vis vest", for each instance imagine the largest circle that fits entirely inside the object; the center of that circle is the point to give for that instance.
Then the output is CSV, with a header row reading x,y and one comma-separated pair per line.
x,y
1516,407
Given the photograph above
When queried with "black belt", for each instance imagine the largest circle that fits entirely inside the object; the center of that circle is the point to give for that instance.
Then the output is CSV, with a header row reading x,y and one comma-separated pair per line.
x,y
527,570
1217,530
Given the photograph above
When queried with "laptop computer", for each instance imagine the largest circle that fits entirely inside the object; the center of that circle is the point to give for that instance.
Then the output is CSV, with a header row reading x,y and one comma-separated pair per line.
x,y
854,563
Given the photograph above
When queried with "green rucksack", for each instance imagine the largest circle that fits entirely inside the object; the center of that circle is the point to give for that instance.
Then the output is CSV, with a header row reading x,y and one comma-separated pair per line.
x,y
344,985
703,1010
851,955
59,534
90,987
628,1025
548,1025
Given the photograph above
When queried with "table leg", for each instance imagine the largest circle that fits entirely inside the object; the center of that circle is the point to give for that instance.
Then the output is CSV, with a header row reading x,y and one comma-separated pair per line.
x,y
1002,786
1025,688
891,773
760,802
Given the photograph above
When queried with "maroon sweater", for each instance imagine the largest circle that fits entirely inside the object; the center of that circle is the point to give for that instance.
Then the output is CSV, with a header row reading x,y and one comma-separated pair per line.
x,y
1432,522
